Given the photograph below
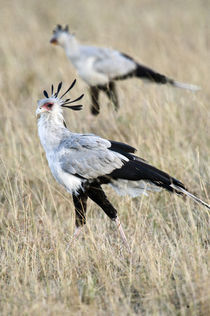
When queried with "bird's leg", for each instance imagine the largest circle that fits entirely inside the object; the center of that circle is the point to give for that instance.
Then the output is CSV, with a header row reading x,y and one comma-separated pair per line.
x,y
122,234
96,193
77,232
112,94
95,107
80,204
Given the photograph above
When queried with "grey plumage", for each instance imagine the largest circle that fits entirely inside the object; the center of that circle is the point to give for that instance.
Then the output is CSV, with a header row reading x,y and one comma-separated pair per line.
x,y
88,156
82,163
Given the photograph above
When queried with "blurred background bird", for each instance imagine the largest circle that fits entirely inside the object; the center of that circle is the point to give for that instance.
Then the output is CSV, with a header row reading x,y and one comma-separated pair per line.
x,y
100,67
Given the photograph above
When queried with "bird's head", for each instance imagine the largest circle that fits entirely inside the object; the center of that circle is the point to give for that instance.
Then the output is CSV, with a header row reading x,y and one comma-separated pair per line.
x,y
53,104
61,35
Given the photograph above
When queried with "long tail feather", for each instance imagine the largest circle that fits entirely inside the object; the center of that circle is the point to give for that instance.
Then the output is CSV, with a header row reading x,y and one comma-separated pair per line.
x,y
195,198
183,85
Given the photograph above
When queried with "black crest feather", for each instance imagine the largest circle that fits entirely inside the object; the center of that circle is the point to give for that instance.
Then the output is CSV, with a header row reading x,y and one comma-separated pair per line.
x,y
75,100
58,90
77,107
45,94
65,103
73,107
60,28
71,86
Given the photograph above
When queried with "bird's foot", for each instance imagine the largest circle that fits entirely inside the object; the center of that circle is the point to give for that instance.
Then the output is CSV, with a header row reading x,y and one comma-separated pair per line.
x,y
74,237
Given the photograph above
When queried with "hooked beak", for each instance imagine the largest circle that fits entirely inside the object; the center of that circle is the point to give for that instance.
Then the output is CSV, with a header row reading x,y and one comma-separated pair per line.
x,y
54,41
39,111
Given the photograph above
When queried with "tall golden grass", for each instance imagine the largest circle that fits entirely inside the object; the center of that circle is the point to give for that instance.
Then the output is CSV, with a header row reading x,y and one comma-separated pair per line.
x,y
167,271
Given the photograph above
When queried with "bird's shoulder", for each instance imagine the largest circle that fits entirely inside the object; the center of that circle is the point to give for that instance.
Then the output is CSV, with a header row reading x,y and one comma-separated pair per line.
x,y
98,52
85,142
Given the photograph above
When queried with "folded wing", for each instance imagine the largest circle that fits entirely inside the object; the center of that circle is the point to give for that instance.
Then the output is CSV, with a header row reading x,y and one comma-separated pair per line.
x,y
89,156
112,63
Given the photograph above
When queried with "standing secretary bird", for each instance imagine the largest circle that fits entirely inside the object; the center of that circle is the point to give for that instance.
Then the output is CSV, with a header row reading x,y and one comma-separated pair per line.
x,y
82,163
101,67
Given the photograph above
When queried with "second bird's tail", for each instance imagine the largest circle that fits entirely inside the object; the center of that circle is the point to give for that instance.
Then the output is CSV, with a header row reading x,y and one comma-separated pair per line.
x,y
146,73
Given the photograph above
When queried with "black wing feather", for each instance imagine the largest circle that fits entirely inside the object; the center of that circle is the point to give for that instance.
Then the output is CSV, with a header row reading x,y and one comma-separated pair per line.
x,y
145,73
138,169
116,146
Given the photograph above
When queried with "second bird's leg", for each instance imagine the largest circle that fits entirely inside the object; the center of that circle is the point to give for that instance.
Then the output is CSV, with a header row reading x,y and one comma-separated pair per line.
x,y
94,93
112,94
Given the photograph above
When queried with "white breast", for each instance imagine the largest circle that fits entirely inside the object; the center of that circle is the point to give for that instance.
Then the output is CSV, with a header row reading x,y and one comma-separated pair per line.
x,y
70,182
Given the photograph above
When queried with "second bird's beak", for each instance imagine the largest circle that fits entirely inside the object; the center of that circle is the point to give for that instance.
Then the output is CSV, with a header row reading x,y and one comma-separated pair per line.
x,y
54,41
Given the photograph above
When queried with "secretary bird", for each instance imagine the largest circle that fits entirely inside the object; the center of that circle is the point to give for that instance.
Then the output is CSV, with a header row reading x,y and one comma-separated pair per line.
x,y
82,163
101,67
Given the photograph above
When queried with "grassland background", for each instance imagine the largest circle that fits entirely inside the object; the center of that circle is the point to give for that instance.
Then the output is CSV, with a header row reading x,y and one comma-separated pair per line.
x,y
167,272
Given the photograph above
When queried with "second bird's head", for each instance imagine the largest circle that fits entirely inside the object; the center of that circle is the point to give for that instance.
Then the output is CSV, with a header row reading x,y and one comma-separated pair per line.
x,y
53,104
61,35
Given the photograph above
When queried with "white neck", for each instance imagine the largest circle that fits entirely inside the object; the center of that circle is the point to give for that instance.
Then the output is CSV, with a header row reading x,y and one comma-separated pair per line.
x,y
71,47
51,130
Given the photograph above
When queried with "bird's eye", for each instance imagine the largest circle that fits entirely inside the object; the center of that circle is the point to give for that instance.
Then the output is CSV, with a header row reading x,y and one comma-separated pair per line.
x,y
48,105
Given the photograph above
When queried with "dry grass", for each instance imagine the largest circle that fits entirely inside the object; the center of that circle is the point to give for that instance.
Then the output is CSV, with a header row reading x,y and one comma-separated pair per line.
x,y
167,272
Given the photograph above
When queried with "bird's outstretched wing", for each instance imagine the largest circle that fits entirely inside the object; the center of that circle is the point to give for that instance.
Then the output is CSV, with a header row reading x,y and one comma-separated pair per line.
x,y
89,156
